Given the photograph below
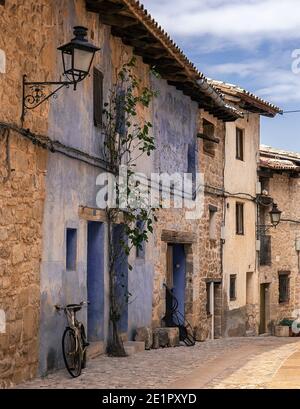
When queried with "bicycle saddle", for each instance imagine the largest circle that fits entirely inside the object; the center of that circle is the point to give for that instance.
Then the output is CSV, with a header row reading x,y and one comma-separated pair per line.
x,y
74,307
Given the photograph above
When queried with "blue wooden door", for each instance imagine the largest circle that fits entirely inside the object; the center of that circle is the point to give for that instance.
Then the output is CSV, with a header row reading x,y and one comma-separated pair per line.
x,y
95,281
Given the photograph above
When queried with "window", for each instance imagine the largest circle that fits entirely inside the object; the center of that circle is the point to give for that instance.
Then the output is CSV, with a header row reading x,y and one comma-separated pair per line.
x,y
212,222
284,287
240,218
98,97
140,251
232,287
265,257
239,144
71,249
209,146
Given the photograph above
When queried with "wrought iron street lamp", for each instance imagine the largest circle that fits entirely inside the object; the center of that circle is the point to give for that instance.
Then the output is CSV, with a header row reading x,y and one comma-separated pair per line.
x,y
77,57
275,215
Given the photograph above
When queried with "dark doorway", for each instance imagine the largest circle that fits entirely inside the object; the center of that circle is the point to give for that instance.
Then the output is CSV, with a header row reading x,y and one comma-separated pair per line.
x,y
176,276
264,297
179,276
95,281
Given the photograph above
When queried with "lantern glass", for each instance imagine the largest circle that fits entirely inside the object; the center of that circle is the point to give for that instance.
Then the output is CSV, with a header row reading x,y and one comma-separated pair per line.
x,y
67,62
82,60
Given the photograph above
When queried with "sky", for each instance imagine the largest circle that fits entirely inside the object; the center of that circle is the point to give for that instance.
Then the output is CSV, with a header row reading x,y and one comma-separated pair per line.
x,y
251,43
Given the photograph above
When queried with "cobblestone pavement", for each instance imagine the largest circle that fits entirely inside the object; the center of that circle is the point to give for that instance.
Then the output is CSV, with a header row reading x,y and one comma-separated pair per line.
x,y
225,364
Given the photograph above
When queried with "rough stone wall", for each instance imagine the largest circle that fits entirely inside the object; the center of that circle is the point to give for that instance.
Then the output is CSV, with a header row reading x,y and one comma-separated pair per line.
x,y
21,213
210,251
203,256
175,128
286,193
25,49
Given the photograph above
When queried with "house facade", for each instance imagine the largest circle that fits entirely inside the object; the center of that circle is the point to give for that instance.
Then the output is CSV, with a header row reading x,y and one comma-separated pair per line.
x,y
53,236
241,302
279,247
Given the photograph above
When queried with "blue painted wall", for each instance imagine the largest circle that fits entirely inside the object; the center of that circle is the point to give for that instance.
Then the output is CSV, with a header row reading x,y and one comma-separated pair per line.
x,y
174,125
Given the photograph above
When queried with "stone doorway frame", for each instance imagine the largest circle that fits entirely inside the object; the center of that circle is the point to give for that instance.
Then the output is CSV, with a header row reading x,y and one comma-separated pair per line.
x,y
187,239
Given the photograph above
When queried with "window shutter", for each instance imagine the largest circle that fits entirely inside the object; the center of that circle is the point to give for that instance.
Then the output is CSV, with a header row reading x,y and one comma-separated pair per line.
x,y
120,113
265,250
98,97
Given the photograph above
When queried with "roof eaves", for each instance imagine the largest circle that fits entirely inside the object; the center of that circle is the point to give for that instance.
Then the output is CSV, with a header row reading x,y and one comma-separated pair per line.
x,y
197,78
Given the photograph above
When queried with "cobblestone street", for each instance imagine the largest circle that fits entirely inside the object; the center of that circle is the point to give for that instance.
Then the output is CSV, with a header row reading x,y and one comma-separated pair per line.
x,y
240,363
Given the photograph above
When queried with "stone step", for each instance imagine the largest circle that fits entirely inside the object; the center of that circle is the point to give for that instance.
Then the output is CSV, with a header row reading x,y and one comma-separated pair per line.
x,y
95,349
133,347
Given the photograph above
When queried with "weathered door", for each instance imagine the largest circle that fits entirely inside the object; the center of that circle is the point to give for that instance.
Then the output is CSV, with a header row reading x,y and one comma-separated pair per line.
x,y
179,276
262,325
95,281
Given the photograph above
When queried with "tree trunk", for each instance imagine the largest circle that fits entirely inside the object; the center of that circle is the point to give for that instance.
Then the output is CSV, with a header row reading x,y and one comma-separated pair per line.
x,y
115,346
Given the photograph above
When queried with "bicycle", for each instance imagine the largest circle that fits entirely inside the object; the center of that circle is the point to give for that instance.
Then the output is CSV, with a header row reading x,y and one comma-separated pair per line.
x,y
74,342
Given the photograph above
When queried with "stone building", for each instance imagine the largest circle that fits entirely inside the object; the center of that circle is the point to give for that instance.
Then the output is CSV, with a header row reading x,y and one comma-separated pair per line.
x,y
22,186
238,242
52,235
279,278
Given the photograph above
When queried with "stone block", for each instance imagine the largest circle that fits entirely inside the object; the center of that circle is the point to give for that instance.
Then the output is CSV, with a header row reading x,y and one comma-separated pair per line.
x,y
133,347
282,331
145,335
165,337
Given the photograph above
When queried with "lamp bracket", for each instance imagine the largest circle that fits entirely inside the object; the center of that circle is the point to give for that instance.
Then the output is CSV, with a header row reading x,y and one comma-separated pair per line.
x,y
262,229
35,93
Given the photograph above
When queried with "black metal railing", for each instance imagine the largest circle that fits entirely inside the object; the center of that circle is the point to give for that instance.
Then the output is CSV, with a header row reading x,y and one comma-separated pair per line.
x,y
174,318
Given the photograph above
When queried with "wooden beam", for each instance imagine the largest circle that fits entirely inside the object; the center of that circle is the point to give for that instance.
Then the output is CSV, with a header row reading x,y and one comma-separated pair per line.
x,y
104,6
171,236
117,20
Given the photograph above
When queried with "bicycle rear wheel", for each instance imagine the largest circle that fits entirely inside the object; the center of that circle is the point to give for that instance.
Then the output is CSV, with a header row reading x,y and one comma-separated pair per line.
x,y
71,353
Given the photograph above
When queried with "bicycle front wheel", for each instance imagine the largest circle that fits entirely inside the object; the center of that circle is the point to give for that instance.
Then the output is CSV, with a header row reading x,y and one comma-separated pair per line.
x,y
71,353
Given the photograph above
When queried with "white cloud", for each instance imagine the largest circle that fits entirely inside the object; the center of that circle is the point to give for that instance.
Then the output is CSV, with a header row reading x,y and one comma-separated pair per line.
x,y
206,27
231,19
274,83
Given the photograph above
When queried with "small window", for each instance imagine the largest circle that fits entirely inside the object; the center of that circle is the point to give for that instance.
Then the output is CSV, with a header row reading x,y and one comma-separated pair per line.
x,y
240,218
239,144
140,250
232,287
284,287
209,146
98,97
71,249
212,222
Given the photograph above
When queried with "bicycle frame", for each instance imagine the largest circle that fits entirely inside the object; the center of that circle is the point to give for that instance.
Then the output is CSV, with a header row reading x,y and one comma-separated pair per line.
x,y
76,326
